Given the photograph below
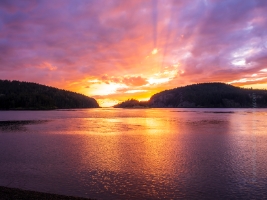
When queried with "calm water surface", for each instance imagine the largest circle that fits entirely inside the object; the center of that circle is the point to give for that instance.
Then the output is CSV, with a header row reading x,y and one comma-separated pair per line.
x,y
136,153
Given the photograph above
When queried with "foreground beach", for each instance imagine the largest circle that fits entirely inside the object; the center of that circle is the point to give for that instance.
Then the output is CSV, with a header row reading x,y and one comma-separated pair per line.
x,y
14,193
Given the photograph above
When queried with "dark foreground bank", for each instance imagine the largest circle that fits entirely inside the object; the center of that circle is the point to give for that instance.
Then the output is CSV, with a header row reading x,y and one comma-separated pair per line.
x,y
18,194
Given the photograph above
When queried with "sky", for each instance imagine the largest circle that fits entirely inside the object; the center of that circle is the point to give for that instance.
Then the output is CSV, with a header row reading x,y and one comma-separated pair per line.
x,y
114,50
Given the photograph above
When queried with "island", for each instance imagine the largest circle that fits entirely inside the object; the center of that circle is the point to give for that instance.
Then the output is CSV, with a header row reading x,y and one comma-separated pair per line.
x,y
17,95
132,103
203,95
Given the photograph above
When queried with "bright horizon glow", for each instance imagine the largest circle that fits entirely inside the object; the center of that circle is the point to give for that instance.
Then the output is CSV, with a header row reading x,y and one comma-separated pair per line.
x,y
158,80
155,51
133,49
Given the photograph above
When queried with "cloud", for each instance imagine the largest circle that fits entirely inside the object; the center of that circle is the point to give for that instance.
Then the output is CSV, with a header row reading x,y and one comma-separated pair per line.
x,y
134,81
68,42
126,80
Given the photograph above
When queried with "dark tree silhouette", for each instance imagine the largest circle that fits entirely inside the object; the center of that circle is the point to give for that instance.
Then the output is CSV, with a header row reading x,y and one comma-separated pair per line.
x,y
209,95
204,95
24,95
132,103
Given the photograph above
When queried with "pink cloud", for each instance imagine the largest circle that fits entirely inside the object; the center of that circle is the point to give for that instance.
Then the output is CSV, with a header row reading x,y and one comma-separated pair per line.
x,y
113,43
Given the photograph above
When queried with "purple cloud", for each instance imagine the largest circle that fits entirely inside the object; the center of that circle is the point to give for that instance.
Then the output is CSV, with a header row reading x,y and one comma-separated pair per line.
x,y
210,40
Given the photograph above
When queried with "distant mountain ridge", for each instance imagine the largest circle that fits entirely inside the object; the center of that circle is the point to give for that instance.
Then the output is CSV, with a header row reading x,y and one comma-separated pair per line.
x,y
25,95
207,95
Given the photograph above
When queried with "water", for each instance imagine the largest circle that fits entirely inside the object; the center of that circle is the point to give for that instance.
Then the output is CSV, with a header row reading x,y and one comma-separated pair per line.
x,y
136,153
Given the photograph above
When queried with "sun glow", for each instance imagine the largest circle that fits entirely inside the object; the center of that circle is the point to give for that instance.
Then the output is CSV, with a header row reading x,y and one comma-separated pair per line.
x,y
103,88
155,51
107,102
154,80
135,91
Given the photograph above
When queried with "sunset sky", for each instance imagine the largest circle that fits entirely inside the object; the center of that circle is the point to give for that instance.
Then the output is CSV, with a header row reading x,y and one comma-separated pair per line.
x,y
113,50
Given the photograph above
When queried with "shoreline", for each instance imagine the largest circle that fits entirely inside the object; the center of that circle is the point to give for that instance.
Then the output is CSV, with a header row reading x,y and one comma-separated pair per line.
x,y
7,193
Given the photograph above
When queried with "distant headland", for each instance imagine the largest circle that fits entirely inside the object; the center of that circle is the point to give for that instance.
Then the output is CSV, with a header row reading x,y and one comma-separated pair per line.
x,y
16,95
203,95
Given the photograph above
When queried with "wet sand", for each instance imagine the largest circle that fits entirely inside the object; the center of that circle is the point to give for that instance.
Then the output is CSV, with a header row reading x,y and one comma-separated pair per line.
x,y
18,194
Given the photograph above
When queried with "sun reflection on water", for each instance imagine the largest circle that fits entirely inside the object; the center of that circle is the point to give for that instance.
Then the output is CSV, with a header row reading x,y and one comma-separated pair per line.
x,y
137,153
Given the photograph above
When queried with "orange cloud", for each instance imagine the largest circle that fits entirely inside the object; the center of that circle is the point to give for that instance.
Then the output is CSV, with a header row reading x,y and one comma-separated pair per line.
x,y
134,81
133,48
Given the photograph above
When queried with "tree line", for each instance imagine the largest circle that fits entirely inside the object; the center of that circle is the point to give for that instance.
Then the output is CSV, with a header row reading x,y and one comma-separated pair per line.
x,y
204,95
25,95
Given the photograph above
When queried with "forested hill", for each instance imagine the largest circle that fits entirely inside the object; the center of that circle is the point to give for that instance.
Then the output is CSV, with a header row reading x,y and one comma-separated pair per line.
x,y
24,95
210,95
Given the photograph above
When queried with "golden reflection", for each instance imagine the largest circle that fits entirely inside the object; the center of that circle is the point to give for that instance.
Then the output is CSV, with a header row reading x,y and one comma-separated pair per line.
x,y
159,150
101,153
142,145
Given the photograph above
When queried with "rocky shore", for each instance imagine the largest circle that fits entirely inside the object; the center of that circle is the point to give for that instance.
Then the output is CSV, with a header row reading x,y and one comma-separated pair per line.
x,y
18,194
